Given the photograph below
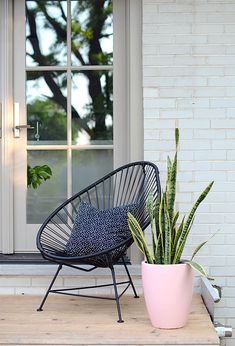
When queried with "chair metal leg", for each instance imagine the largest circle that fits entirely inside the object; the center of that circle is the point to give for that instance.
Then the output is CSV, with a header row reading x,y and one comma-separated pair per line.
x,y
120,320
129,276
49,288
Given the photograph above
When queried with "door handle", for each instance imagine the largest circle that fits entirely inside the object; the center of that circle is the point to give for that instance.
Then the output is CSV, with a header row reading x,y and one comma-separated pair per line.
x,y
17,126
28,127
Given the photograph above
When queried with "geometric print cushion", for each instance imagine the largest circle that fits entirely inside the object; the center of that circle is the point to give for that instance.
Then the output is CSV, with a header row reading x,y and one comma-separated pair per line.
x,y
95,230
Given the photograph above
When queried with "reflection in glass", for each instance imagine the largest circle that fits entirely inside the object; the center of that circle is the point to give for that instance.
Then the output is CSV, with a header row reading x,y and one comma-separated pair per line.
x,y
46,107
46,33
43,200
92,107
89,166
92,32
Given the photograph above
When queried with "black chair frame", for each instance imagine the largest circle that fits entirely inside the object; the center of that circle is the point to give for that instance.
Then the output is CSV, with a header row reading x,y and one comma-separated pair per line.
x,y
128,184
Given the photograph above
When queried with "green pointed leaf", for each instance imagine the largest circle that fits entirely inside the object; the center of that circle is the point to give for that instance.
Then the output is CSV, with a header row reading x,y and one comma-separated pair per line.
x,y
176,216
199,269
167,253
139,238
150,206
202,244
177,137
177,237
171,188
189,221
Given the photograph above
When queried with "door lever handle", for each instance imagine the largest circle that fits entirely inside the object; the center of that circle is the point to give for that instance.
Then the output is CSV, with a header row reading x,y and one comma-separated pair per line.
x,y
17,126
28,127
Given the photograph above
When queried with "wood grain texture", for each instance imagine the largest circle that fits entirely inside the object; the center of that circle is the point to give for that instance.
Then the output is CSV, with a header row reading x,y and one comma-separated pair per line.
x,y
82,321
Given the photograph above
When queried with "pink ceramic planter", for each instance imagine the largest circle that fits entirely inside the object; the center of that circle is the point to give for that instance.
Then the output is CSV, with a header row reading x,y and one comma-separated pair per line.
x,y
168,293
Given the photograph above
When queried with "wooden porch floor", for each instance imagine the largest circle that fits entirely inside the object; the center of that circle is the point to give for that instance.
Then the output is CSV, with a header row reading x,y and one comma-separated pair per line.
x,y
82,321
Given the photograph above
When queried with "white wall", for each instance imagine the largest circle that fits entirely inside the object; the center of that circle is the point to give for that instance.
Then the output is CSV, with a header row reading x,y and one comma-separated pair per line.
x,y
189,82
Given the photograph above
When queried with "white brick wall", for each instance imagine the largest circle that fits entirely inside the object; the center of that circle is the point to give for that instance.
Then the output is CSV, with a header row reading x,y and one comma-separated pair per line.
x,y
189,82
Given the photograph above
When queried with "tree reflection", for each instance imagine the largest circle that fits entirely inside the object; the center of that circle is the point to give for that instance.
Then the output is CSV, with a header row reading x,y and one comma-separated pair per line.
x,y
91,27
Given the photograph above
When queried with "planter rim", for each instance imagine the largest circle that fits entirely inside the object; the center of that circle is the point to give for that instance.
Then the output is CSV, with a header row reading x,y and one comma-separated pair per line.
x,y
163,265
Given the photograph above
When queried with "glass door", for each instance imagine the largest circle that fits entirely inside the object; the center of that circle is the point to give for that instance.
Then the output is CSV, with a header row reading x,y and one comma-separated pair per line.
x,y
64,105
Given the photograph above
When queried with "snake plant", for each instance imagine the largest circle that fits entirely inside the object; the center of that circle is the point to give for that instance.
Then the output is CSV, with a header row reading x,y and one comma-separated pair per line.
x,y
169,235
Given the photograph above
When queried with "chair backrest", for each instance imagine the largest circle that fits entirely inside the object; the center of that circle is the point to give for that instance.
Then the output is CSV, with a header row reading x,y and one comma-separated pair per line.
x,y
126,185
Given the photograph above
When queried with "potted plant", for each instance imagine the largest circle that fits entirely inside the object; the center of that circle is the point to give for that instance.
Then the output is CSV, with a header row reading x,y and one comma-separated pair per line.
x,y
167,279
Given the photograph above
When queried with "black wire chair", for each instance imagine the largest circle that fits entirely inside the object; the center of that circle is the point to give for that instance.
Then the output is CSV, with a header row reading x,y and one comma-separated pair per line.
x,y
126,185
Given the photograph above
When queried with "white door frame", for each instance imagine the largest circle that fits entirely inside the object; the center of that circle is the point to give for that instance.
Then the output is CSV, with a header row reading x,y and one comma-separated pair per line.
x,y
6,99
131,86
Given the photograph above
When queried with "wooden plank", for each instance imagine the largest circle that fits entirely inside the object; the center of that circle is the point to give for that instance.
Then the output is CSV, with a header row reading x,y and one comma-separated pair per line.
x,y
82,321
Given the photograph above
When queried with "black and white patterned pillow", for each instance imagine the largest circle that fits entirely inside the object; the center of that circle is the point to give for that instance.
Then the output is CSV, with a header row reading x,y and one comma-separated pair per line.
x,y
96,230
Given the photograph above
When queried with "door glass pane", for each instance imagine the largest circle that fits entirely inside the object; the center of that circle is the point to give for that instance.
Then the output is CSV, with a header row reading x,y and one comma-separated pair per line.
x,y
46,197
46,33
89,166
92,32
92,107
46,95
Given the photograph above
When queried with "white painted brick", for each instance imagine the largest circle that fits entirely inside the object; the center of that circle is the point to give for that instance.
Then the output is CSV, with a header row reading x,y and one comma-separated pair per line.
x,y
222,39
45,281
175,50
151,113
229,28
190,39
179,114
78,281
222,103
151,134
175,92
221,144
7,290
193,103
230,49
231,282
209,134
230,134
210,175
152,156
212,113
195,166
159,103
30,291
230,92
14,281
220,60
168,29
223,124
207,29
195,145
210,92
158,39
175,8
151,92
159,124
150,50
220,17
221,81
209,49
199,124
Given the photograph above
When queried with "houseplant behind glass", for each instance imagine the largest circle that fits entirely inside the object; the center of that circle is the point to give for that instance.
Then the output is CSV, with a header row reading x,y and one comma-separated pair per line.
x,y
167,279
